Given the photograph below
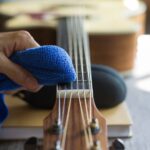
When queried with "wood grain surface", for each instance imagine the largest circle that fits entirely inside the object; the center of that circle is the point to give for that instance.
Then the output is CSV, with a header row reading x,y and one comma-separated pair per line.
x,y
75,138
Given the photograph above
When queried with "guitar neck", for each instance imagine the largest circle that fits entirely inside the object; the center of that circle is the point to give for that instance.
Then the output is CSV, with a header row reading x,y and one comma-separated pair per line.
x,y
75,123
72,37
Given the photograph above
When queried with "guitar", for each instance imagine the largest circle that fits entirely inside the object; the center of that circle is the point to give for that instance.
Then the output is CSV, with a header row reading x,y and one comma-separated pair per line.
x,y
102,23
75,123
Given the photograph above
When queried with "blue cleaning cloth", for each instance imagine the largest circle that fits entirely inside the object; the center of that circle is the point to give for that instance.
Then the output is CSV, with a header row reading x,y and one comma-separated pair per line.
x,y
50,65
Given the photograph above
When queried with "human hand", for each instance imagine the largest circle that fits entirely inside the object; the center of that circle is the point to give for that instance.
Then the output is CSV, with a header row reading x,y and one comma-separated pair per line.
x,y
9,43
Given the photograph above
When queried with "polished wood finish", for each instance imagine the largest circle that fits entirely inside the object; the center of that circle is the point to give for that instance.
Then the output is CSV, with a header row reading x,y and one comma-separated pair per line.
x,y
75,139
115,50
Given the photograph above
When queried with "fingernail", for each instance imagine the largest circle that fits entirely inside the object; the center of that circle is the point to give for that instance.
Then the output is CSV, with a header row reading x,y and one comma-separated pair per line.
x,y
31,84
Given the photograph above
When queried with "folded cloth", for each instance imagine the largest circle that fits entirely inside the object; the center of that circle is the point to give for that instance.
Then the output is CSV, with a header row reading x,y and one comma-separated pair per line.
x,y
49,64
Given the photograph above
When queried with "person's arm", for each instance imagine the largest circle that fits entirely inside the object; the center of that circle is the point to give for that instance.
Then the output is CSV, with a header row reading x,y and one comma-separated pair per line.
x,y
9,43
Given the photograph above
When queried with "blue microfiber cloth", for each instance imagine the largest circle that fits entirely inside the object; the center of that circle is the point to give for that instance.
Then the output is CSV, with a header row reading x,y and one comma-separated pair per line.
x,y
49,64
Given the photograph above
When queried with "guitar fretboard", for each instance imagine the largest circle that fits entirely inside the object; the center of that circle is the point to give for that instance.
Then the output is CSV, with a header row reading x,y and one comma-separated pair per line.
x,y
73,38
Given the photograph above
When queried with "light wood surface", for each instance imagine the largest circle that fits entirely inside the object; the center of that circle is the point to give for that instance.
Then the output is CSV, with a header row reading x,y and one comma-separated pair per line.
x,y
19,108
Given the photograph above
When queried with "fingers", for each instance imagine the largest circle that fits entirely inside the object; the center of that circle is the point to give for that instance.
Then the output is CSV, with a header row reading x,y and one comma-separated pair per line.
x,y
18,74
24,40
9,43
15,41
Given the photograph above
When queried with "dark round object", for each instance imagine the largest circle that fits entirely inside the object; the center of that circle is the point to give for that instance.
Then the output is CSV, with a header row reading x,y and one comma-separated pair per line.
x,y
109,87
45,98
31,143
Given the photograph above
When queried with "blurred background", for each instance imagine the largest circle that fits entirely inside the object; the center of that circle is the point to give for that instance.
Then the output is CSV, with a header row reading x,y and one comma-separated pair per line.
x,y
117,22
119,35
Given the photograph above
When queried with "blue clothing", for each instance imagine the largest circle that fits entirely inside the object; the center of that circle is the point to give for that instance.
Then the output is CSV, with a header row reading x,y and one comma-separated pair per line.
x,y
50,65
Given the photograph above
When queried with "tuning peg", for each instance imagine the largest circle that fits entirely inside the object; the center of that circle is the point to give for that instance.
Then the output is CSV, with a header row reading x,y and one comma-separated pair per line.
x,y
117,144
95,126
57,128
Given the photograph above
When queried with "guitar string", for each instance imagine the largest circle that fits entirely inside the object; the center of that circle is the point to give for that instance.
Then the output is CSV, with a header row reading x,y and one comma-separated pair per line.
x,y
81,48
81,59
74,23
69,41
59,110
84,124
88,127
66,124
70,47
82,68
87,53
79,31
80,51
76,62
63,141
85,98
64,106
62,32
59,42
75,47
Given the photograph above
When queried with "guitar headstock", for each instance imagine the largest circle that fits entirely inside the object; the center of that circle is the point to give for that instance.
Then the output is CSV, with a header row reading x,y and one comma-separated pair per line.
x,y
81,128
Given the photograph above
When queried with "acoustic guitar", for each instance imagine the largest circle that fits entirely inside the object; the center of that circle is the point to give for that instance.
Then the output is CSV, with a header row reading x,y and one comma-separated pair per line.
x,y
75,123
106,21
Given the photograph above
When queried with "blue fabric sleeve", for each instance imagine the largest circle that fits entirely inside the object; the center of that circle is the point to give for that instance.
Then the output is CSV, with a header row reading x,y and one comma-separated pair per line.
x,y
49,64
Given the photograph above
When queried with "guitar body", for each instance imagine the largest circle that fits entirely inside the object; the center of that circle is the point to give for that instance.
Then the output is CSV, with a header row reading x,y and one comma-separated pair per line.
x,y
75,139
101,27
